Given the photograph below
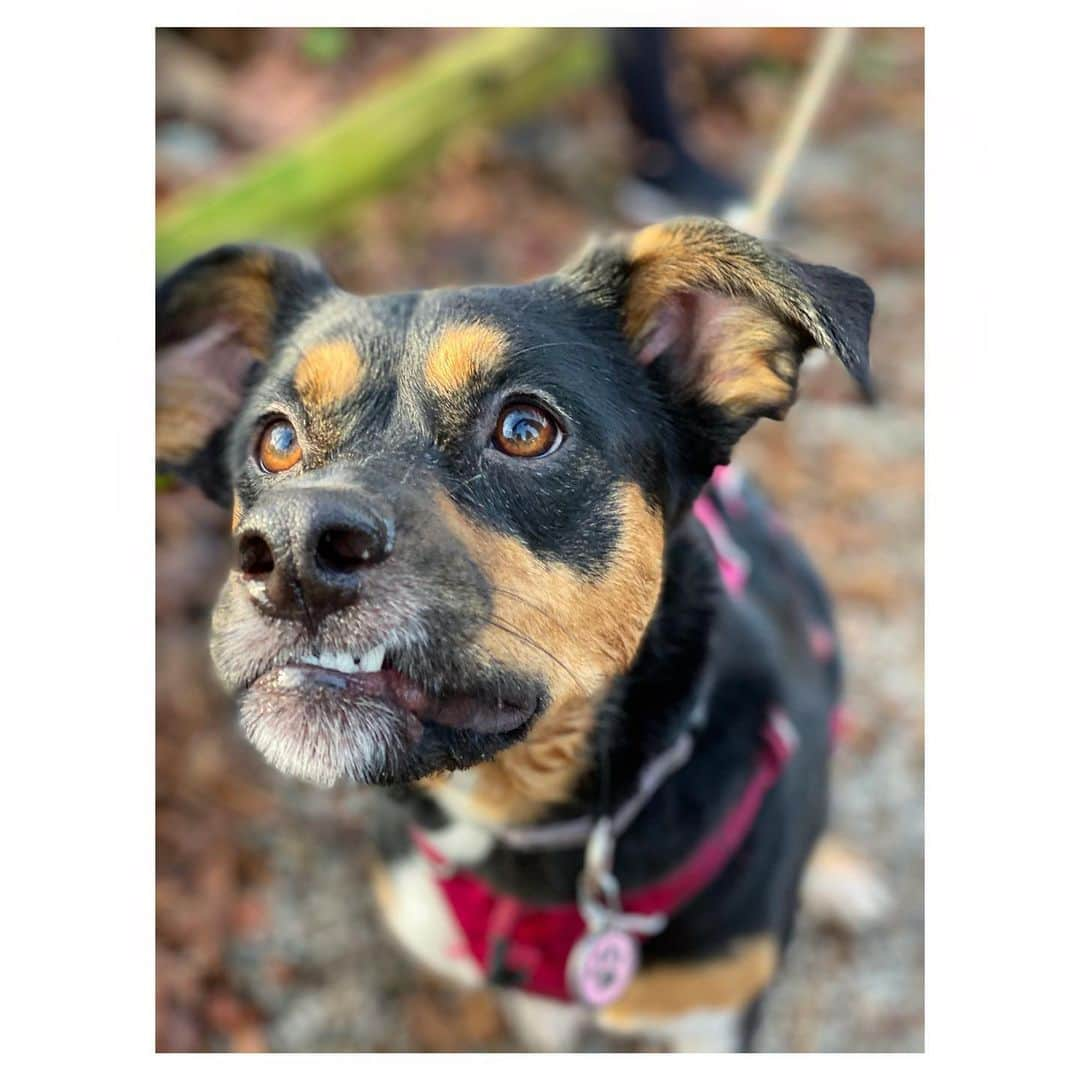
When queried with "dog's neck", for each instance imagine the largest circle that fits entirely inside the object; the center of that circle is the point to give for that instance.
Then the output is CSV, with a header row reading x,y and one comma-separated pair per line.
x,y
645,711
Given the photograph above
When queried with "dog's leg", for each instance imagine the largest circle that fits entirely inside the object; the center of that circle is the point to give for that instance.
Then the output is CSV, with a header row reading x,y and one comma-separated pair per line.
x,y
415,911
703,1032
842,889
700,1005
543,1024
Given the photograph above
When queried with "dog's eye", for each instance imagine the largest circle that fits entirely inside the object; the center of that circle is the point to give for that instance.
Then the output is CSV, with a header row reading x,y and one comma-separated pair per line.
x,y
526,431
279,447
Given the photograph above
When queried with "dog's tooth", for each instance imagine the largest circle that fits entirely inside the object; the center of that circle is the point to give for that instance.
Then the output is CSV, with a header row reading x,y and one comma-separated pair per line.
x,y
342,661
372,660
345,662
332,661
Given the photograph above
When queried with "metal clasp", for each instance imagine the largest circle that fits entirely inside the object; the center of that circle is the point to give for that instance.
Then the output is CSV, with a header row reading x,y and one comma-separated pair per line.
x,y
598,889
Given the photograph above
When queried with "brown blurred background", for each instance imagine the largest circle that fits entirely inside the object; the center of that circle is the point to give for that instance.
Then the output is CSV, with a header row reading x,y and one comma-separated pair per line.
x,y
267,938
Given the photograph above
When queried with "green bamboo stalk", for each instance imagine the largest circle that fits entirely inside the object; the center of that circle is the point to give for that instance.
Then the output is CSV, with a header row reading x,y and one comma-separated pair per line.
x,y
488,77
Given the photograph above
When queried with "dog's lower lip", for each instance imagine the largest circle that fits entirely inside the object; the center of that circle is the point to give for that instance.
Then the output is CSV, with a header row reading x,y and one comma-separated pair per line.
x,y
456,710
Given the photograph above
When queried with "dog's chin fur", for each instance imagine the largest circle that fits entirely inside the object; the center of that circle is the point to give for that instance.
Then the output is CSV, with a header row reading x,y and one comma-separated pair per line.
x,y
317,736
314,736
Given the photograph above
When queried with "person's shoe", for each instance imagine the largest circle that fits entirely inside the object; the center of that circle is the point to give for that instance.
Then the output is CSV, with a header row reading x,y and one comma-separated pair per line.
x,y
682,187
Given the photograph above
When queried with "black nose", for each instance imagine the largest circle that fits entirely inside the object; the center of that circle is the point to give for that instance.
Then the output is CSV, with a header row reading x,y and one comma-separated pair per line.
x,y
303,553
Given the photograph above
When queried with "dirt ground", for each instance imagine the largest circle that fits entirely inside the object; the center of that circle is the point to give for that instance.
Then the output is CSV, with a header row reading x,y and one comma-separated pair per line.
x,y
267,938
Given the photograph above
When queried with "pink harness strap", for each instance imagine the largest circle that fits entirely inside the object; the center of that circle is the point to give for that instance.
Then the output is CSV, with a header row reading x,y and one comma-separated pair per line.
x,y
731,559
682,884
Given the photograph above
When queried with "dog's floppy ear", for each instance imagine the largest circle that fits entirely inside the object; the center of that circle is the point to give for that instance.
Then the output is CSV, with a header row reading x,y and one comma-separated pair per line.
x,y
218,318
728,317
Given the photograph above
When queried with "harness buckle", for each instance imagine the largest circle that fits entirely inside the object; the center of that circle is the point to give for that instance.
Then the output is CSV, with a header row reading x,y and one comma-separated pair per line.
x,y
598,888
605,959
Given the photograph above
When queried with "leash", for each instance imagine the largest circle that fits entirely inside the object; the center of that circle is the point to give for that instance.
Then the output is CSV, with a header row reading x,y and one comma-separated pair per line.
x,y
833,46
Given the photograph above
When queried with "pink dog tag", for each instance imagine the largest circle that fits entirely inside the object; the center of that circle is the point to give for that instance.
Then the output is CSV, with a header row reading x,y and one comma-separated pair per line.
x,y
601,966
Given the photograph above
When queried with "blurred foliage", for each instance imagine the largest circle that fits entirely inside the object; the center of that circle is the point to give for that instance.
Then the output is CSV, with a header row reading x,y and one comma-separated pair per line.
x,y
325,44
376,143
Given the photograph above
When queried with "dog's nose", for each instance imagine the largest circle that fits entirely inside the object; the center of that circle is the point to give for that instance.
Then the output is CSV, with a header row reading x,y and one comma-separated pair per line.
x,y
304,553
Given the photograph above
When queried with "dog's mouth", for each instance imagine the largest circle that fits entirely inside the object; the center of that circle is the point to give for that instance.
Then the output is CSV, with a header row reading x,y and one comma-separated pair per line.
x,y
327,714
373,677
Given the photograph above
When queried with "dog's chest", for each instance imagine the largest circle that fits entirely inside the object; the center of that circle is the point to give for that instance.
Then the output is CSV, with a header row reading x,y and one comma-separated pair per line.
x,y
415,908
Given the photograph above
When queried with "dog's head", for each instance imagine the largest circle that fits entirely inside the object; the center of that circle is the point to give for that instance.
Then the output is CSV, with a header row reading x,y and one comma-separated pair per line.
x,y
450,507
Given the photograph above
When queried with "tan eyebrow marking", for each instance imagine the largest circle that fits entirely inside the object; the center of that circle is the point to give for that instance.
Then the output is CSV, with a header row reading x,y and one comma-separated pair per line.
x,y
461,353
327,374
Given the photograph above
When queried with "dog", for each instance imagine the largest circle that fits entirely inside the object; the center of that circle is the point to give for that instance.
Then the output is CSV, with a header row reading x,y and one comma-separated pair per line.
x,y
493,557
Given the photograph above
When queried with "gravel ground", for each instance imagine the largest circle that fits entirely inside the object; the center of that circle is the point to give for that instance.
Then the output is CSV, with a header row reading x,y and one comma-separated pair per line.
x,y
267,934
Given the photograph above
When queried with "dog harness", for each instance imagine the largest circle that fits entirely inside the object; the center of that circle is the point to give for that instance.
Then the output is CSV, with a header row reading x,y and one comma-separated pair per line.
x,y
589,951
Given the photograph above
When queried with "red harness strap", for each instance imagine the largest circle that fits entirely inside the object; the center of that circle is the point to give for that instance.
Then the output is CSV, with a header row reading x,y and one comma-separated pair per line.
x,y
535,941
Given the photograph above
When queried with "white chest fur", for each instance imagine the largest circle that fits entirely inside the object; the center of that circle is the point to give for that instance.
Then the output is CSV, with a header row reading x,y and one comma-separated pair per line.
x,y
416,912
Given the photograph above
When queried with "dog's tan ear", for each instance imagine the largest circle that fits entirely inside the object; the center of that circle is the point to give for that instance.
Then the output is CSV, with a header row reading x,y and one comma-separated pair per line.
x,y
731,317
218,317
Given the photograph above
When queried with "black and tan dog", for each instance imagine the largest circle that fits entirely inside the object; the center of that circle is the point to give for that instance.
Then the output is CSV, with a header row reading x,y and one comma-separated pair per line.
x,y
468,571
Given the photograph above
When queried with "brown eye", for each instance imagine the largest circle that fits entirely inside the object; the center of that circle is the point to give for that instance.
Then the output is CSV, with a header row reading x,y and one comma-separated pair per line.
x,y
526,431
279,448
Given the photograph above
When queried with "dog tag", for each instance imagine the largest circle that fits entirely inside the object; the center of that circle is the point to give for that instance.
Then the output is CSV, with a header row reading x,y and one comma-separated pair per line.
x,y
601,966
